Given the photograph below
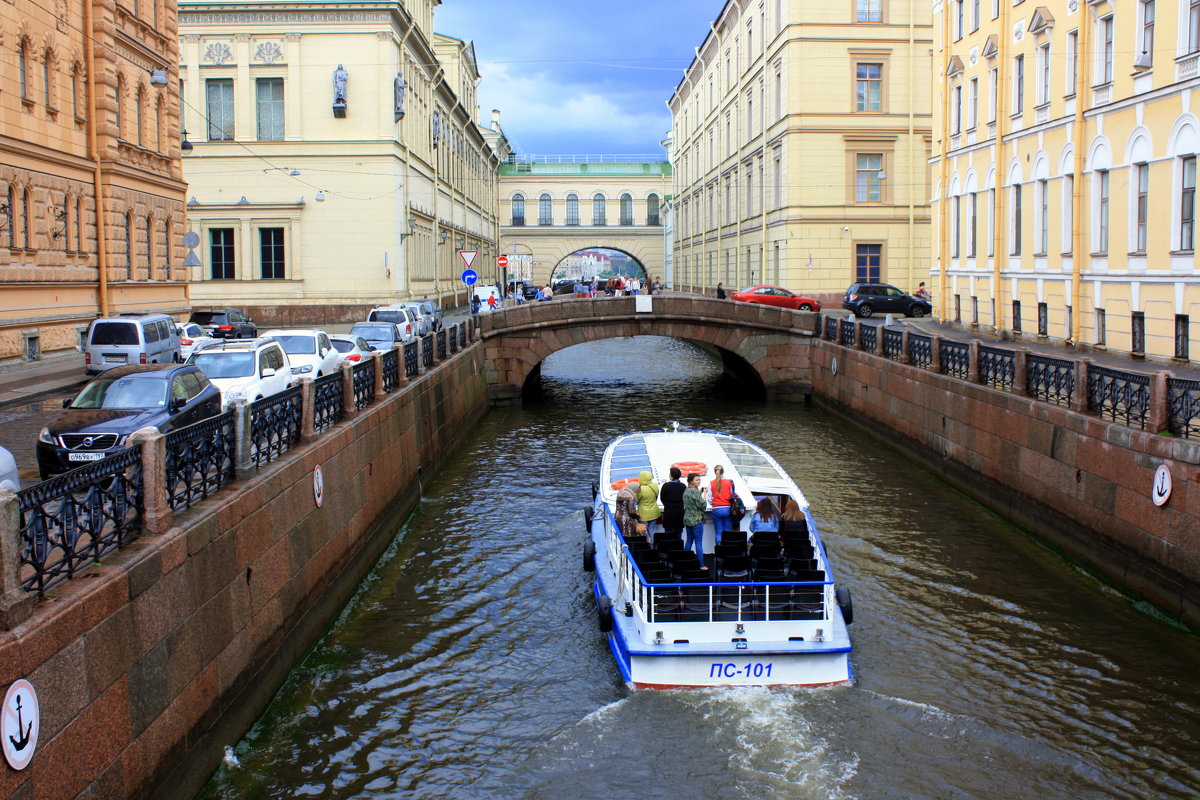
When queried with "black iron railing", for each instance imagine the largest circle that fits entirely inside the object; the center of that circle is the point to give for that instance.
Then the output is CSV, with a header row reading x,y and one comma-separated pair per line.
x,y
831,329
1119,396
997,367
846,333
1183,407
1050,379
920,350
362,380
452,338
893,344
71,521
199,460
327,401
868,338
391,370
411,364
955,358
462,334
440,338
427,352
274,425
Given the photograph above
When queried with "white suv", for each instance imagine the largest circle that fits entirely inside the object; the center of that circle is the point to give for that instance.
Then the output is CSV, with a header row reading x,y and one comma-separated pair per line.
x,y
309,351
245,369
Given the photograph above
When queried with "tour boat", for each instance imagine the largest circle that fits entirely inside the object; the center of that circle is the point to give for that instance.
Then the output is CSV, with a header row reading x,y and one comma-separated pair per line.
x,y
766,612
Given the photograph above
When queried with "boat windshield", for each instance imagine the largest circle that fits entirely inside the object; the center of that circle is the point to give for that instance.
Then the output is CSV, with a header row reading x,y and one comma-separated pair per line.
x,y
629,458
749,460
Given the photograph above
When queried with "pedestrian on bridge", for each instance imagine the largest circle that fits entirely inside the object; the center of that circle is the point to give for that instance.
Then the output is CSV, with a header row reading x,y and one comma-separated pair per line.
x,y
721,291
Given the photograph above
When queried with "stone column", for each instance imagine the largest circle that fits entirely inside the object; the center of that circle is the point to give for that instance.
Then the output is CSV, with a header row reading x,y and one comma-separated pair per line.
x,y
157,515
15,603
973,361
379,392
308,410
1020,367
243,447
348,409
1159,411
402,378
935,354
1079,398
858,326
904,359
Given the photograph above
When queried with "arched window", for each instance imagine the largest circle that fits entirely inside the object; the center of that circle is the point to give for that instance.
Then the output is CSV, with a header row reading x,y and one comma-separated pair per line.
x,y
26,204
518,209
65,231
167,249
129,244
626,209
23,68
545,213
78,224
117,111
47,65
572,209
12,227
158,125
599,214
149,250
139,110
652,210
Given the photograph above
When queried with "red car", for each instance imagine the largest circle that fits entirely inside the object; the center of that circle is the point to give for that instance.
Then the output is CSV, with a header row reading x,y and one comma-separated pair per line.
x,y
776,296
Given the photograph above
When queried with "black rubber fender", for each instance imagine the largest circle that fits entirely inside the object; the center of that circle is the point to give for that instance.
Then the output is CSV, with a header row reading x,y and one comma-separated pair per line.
x,y
595,490
589,556
604,605
845,603
587,519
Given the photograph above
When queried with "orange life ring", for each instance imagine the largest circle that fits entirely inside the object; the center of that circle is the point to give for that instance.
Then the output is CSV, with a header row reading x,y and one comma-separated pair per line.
x,y
621,484
688,467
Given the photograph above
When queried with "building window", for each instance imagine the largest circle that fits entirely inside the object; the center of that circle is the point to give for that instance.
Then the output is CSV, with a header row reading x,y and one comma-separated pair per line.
x,y
956,110
572,209
991,216
972,224
955,224
1142,205
1043,319
117,116
1043,77
219,108
869,87
1193,26
974,15
1106,50
1072,62
221,253
268,102
545,210
1019,85
47,65
139,117
626,210
130,246
1147,33
78,225
1016,219
149,249
23,69
599,212
1182,335
652,210
1187,202
1137,332
12,228
958,308
973,105
1102,209
271,253
868,185
868,11
974,310
867,261
1068,213
1016,306
1101,328
959,12
26,205
518,209
1043,221
75,78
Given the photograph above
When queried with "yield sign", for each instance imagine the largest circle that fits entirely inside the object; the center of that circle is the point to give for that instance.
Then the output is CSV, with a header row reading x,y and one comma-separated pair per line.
x,y
468,256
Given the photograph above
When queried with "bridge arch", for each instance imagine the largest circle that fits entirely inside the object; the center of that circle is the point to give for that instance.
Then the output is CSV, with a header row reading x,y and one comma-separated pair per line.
x,y
559,268
773,343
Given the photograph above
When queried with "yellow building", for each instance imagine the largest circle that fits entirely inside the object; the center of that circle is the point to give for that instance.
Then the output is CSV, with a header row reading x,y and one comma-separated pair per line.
x,y
800,139
337,157
91,191
1066,147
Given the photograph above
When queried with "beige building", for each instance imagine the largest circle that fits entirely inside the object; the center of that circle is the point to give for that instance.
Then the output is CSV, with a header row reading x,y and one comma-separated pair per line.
x,y
1065,150
337,158
800,140
91,190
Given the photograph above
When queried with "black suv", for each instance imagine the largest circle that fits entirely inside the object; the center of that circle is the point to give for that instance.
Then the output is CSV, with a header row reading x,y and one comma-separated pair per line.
x,y
120,401
865,299
226,323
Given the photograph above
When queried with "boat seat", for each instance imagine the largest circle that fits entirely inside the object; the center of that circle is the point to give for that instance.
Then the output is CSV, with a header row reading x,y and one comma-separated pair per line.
x,y
668,545
734,568
801,552
696,603
763,574
802,575
795,527
766,537
727,549
733,537
657,574
667,605
765,550
774,562
797,565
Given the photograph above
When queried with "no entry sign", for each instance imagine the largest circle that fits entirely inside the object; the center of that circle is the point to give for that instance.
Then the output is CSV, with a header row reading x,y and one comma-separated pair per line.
x,y
501,261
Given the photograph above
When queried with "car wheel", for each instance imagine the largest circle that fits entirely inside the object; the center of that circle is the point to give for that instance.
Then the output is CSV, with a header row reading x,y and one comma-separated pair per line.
x,y
865,310
805,307
916,311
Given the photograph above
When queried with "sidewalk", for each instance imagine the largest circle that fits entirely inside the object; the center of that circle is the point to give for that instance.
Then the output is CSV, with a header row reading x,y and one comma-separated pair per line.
x,y
57,374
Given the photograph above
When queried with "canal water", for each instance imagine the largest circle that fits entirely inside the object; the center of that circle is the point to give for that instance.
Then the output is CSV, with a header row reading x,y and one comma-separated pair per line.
x,y
469,665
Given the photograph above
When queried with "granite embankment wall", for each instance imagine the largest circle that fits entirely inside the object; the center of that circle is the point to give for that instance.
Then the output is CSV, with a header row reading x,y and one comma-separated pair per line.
x,y
148,664
1081,483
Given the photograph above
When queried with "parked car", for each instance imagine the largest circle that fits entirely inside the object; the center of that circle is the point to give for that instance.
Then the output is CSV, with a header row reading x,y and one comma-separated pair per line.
x,y
349,347
309,351
133,339
192,338
226,323
406,315
98,421
379,335
776,296
10,478
432,312
250,369
865,299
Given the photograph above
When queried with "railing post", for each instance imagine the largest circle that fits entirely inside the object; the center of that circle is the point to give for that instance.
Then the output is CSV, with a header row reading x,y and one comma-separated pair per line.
x,y
1020,370
243,441
379,392
15,603
402,373
1158,414
308,410
1079,398
973,361
905,358
348,409
858,324
935,354
157,515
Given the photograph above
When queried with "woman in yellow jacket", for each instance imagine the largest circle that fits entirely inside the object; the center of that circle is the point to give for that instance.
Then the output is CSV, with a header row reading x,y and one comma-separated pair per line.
x,y
648,510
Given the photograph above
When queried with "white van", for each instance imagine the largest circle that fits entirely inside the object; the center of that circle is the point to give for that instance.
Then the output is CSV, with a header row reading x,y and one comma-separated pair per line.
x,y
133,339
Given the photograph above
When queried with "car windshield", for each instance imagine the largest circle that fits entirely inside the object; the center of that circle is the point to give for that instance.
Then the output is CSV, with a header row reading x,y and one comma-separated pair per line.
x,y
375,333
129,391
223,364
297,344
110,333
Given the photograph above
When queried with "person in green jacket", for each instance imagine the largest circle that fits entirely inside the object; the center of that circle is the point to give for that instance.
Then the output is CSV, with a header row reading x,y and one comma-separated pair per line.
x,y
694,503
648,510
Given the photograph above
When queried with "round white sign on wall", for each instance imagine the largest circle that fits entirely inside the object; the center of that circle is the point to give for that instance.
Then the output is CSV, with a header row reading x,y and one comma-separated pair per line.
x,y
22,720
318,485
1161,492
833,366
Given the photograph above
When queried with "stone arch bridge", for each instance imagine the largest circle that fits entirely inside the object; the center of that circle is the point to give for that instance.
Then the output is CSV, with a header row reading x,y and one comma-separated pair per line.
x,y
769,344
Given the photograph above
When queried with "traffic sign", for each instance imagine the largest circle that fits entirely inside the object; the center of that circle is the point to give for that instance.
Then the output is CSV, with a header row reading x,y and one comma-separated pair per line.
x,y
501,261
469,277
468,256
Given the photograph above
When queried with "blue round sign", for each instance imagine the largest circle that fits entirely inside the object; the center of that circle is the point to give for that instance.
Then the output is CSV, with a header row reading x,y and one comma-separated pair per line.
x,y
469,277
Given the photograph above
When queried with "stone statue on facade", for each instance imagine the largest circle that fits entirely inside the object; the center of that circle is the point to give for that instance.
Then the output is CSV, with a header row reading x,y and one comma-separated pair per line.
x,y
339,84
398,88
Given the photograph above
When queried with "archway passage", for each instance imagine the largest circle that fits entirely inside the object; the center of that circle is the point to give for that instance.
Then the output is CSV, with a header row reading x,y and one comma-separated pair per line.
x,y
600,263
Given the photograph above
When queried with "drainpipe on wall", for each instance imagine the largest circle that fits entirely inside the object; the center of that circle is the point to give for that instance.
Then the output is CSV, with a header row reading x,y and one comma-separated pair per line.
x,y
94,155
405,231
944,169
998,203
912,154
762,177
720,221
1078,255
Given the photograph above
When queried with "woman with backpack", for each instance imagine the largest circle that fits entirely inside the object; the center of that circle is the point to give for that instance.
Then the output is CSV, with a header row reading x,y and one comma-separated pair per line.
x,y
720,494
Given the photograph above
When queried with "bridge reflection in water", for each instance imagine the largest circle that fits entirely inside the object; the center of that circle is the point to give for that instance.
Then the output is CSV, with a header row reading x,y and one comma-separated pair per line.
x,y
469,665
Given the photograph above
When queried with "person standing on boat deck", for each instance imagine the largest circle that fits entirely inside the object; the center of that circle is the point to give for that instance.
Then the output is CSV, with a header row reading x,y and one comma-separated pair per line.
x,y
648,510
626,514
720,491
671,496
766,518
693,516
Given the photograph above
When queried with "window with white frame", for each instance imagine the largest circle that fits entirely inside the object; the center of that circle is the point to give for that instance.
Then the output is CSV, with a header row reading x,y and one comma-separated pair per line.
x,y
1043,73
993,83
268,102
869,87
1193,26
572,209
1141,205
868,11
599,212
960,10
219,109
1102,186
973,105
1015,218
1068,213
995,8
1072,61
991,220
868,186
545,210
1146,14
974,15
1104,68
518,209
972,223
956,109
955,224
1018,85
1043,220
1187,203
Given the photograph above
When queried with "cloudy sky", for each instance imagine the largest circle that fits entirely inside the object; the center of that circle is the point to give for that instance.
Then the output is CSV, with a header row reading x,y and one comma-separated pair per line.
x,y
580,76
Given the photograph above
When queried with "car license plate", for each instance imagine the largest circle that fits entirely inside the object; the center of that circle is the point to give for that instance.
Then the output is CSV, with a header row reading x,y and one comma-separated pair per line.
x,y
114,358
84,456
